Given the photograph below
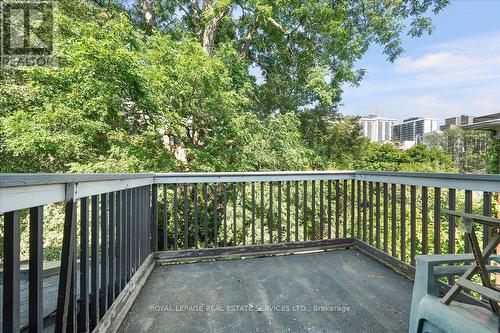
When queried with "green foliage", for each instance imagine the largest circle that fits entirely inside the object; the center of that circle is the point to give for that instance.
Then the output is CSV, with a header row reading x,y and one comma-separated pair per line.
x,y
127,97
416,159
305,50
471,151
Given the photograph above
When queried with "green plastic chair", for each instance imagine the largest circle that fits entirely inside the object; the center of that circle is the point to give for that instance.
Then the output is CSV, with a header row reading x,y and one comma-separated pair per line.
x,y
428,312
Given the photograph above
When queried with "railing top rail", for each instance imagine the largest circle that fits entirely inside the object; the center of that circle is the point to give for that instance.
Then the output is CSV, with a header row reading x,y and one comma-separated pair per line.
x,y
473,182
238,177
29,179
255,173
436,175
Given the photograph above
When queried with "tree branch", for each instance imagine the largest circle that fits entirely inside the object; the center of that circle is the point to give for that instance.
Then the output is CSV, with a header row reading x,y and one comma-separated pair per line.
x,y
248,40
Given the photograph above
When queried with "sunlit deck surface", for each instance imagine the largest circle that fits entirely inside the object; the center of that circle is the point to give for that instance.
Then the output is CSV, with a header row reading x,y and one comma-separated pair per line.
x,y
335,291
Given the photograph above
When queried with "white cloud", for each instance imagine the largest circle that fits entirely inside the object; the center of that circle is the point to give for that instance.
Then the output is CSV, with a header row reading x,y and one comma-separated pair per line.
x,y
441,61
461,76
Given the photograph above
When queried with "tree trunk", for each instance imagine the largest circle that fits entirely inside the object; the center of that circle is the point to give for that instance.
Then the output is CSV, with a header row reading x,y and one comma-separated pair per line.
x,y
149,15
210,31
209,35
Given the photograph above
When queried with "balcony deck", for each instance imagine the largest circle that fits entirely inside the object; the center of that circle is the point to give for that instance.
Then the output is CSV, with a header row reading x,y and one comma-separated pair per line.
x,y
121,226
362,296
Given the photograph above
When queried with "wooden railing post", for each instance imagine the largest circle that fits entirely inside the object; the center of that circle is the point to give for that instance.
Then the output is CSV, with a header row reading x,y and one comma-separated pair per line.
x,y
63,317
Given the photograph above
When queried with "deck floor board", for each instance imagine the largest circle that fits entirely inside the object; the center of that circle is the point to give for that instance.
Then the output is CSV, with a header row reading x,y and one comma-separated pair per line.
x,y
274,294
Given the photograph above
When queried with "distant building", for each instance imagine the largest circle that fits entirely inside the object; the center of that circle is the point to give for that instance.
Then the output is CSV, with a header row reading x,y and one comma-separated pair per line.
x,y
489,123
412,130
489,117
450,123
377,129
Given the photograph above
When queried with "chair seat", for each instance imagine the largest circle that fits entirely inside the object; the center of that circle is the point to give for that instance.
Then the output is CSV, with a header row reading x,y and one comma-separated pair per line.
x,y
457,317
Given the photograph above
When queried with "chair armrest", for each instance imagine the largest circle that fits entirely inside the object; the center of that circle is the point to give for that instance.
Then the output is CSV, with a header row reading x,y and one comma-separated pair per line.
x,y
459,270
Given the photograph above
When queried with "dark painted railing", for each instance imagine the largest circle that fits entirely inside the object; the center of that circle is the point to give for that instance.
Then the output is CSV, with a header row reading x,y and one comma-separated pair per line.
x,y
113,223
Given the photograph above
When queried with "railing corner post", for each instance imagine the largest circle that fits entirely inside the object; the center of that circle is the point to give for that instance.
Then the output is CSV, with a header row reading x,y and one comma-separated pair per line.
x,y
67,274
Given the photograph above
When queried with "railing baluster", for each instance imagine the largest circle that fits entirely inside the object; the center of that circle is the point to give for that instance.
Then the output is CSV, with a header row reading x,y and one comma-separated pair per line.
x,y
329,184
344,205
94,275
451,226
154,217
84,266
104,254
270,212
403,223
305,211
364,211
377,215
321,211
313,209
130,231
140,235
111,249
296,211
176,235
452,195
370,213
137,229
243,213
11,272
358,213
288,211
253,212
337,208
386,217
224,203
262,214
235,190
205,212
486,212
123,243
468,209
196,215
413,224
279,212
425,217
118,239
353,195
35,270
216,216
185,213
393,218
437,220
72,308
165,218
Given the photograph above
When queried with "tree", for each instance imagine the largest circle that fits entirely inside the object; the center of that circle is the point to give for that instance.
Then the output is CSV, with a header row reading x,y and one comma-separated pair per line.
x,y
470,150
419,158
305,50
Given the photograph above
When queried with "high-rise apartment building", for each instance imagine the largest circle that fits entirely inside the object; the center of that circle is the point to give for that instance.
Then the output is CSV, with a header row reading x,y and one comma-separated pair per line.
x,y
377,129
413,129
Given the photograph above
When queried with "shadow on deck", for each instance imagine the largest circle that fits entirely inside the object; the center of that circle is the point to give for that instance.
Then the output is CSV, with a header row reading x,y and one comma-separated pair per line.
x,y
340,290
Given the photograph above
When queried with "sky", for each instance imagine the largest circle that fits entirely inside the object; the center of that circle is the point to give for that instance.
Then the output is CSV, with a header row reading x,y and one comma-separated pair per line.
x,y
453,71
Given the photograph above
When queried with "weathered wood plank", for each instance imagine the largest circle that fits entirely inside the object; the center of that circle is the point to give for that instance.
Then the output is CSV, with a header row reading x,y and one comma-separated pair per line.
x,y
164,257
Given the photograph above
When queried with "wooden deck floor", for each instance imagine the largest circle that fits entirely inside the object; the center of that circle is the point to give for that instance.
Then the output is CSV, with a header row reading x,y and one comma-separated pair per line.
x,y
337,291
